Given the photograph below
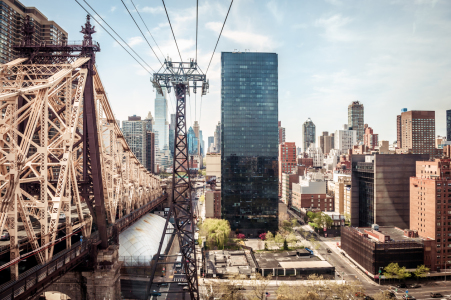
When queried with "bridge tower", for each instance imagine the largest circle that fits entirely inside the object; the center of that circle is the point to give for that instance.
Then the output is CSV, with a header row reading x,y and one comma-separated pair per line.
x,y
179,76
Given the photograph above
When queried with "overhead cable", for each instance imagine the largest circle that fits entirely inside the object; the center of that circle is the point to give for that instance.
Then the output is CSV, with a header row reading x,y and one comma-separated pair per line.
x,y
147,28
181,60
114,37
219,37
197,22
141,31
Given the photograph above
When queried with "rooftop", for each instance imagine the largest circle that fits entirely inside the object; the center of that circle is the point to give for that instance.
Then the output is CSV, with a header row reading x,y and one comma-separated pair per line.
x,y
289,259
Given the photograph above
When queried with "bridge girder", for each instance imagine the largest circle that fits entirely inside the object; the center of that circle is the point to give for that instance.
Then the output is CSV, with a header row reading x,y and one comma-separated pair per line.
x,y
41,155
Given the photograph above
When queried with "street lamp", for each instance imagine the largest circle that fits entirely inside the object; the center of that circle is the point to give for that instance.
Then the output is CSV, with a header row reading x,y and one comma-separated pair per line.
x,y
380,272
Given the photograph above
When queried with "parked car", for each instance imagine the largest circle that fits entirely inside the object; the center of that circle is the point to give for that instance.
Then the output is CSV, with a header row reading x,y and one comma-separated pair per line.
x,y
329,251
402,286
415,285
436,295
155,293
4,236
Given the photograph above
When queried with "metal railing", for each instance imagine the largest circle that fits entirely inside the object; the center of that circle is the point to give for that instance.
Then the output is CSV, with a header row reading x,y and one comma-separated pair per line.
x,y
34,276
38,276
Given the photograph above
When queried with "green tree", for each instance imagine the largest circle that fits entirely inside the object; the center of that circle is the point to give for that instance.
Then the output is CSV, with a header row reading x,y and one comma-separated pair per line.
x,y
294,223
279,238
421,271
217,232
403,273
285,244
391,270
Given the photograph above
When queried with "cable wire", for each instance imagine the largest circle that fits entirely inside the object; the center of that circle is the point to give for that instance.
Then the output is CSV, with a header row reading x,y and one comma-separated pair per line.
x,y
181,60
197,22
114,37
219,37
147,28
140,31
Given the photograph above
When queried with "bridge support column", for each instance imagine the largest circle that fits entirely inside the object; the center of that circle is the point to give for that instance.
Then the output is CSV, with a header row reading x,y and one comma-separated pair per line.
x,y
104,281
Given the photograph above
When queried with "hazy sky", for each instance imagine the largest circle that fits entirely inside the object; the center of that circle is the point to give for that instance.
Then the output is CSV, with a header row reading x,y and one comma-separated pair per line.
x,y
386,54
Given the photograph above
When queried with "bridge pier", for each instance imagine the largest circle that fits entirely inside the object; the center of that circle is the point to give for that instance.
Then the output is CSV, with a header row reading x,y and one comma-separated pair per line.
x,y
104,282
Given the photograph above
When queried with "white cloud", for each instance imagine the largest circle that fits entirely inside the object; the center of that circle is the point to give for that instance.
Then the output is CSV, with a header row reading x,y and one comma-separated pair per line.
x,y
136,40
274,9
334,2
252,41
333,27
113,8
152,10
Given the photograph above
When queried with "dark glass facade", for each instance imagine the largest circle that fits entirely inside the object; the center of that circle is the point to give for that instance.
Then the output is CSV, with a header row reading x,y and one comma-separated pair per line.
x,y
249,141
448,125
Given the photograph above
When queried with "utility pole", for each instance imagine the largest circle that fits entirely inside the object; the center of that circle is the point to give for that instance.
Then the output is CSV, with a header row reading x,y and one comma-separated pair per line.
x,y
178,76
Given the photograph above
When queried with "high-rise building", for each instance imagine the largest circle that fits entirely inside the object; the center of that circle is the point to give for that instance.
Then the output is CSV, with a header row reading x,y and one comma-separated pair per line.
x,y
211,141
448,125
249,125
161,129
172,126
217,137
202,144
326,142
287,158
134,131
355,119
380,184
399,130
418,132
316,154
344,139
193,142
13,15
429,212
308,134
281,133
370,139
150,151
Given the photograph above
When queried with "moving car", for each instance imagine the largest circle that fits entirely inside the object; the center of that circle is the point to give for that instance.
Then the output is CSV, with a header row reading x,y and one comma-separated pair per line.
x,y
329,251
62,216
408,297
415,285
4,236
436,295
155,293
402,286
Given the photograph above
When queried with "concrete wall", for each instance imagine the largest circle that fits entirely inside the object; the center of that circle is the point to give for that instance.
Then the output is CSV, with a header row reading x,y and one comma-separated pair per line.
x,y
71,284
391,188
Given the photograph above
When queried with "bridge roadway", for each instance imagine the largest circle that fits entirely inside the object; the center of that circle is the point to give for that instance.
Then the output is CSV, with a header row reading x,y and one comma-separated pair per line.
x,y
36,280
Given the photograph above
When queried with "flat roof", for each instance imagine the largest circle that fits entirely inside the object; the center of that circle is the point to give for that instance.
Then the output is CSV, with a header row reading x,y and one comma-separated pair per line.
x,y
305,264
275,260
395,234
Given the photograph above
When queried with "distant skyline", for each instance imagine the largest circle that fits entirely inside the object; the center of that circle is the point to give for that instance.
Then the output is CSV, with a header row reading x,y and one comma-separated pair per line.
x,y
386,54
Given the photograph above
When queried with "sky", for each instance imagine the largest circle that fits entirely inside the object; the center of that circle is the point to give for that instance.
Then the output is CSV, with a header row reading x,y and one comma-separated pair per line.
x,y
388,55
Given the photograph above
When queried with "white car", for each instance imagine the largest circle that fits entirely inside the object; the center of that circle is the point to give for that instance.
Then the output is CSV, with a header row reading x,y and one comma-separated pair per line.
x,y
62,216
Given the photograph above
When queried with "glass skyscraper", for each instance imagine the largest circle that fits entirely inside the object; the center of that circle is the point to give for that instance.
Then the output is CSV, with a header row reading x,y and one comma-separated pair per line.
x,y
448,125
161,129
249,141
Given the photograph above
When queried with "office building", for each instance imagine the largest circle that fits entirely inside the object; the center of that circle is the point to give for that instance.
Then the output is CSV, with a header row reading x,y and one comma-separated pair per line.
x,y
374,249
213,168
172,126
355,119
249,141
13,15
281,133
150,151
310,194
448,125
161,130
326,142
134,131
418,132
370,139
211,141
308,134
193,142
213,204
287,158
316,154
430,195
217,136
380,185
345,139
341,184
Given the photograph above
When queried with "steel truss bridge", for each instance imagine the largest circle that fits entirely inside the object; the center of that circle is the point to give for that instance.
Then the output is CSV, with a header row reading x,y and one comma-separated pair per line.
x,y
61,148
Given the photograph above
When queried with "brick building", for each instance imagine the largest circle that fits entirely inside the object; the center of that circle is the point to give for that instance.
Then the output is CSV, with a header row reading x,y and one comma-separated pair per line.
x,y
418,132
287,158
370,139
430,199
310,194
213,204
307,162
